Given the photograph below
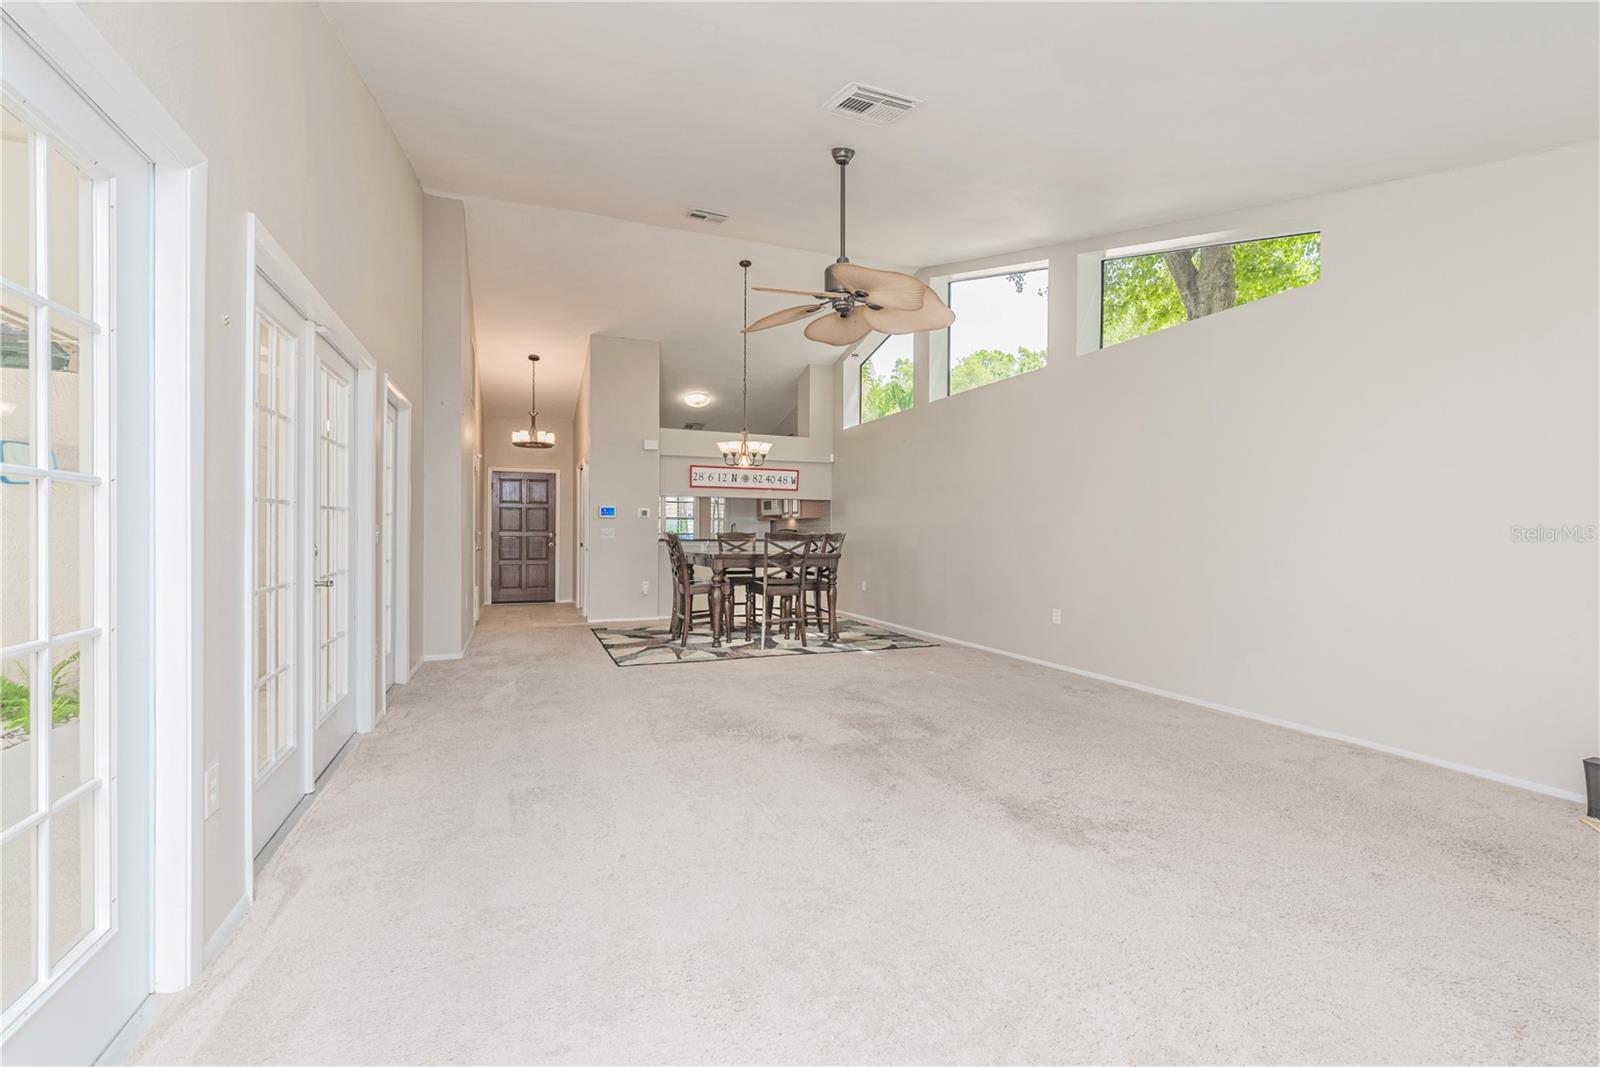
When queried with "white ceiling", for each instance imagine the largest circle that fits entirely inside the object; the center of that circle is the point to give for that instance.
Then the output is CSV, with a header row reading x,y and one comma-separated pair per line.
x,y
544,279
1042,122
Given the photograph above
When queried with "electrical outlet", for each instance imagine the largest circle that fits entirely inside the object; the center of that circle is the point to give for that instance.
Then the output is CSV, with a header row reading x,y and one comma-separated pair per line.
x,y
213,789
644,588
1055,616
863,585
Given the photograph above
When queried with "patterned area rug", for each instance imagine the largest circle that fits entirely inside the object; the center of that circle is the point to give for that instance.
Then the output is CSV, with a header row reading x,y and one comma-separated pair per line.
x,y
631,646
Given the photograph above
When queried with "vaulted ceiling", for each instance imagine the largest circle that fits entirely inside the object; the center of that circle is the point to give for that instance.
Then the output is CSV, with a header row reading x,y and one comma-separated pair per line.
x,y
1041,122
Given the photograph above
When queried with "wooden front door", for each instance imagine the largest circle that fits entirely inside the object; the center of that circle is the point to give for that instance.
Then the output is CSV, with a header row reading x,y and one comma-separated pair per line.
x,y
524,538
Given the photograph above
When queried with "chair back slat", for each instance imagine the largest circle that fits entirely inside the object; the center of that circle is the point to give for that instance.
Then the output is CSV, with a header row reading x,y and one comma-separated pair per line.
x,y
784,556
678,558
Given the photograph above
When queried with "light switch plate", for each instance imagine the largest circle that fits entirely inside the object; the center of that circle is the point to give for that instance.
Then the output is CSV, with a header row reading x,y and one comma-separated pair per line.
x,y
644,513
608,533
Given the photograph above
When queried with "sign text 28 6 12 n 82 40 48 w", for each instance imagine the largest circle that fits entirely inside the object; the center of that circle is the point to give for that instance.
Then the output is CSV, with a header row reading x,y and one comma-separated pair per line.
x,y
764,479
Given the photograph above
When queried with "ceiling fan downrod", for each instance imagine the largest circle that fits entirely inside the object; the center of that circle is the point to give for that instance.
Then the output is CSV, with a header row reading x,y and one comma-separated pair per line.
x,y
842,156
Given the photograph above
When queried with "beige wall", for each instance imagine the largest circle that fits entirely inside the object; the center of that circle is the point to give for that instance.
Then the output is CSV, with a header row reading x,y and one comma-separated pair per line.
x,y
623,406
499,452
290,133
1301,508
450,430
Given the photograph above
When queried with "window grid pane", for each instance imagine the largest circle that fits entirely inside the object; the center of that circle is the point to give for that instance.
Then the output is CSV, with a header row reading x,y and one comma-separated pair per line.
x,y
73,862
19,560
677,516
17,205
54,547
19,918
275,488
19,798
17,328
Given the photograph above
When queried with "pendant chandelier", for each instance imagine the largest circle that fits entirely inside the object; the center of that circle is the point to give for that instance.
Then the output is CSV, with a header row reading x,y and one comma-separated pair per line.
x,y
533,437
745,452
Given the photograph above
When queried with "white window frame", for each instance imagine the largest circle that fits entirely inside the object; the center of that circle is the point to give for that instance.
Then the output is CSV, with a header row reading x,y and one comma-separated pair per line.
x,y
41,475
939,340
81,54
1091,267
286,664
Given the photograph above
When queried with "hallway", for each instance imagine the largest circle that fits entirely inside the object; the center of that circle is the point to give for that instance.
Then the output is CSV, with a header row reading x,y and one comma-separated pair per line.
x,y
938,854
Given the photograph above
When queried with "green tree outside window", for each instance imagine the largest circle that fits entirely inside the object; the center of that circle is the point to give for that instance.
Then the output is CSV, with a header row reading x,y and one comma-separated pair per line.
x,y
886,379
1142,294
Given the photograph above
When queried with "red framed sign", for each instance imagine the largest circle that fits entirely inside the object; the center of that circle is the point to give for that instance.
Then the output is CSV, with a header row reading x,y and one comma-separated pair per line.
x,y
760,479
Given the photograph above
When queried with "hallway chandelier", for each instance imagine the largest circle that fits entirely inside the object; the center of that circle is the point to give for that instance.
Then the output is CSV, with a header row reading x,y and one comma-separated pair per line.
x,y
745,452
533,437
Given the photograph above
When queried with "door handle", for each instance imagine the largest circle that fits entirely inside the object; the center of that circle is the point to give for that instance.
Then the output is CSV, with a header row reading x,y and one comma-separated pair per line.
x,y
324,582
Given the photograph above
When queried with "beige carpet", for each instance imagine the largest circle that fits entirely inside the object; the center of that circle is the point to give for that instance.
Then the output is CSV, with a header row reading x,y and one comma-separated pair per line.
x,y
932,855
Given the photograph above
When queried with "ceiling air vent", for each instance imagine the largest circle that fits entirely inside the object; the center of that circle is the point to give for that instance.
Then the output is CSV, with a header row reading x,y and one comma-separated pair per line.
x,y
700,214
694,426
879,107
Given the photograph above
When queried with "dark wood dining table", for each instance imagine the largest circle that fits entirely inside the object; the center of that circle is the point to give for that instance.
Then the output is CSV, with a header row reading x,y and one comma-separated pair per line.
x,y
709,555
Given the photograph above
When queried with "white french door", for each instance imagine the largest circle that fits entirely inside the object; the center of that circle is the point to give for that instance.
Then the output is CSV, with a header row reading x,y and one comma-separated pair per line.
x,y
333,550
75,538
391,445
276,577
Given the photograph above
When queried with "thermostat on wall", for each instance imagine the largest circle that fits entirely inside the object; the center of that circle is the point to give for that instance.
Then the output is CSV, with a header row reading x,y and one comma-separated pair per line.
x,y
607,512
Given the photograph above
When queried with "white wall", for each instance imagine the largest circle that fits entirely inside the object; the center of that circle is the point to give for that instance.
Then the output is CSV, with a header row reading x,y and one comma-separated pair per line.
x,y
290,133
450,429
499,452
1300,508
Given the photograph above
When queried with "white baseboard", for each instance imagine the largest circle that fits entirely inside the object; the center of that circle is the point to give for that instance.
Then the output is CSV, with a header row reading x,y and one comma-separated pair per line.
x,y
1315,731
224,931
439,657
607,622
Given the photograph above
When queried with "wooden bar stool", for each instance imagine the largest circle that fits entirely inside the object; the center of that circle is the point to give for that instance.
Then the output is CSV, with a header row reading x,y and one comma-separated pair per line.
x,y
822,579
684,590
781,581
736,578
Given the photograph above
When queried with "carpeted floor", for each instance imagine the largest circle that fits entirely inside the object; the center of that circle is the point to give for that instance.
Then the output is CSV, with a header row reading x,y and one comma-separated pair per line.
x,y
930,856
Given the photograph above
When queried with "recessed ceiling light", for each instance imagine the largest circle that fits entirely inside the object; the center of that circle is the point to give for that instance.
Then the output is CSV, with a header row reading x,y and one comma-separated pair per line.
x,y
696,400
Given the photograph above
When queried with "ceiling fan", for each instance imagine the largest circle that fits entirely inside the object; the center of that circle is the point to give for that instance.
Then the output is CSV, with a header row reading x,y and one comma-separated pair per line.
x,y
859,299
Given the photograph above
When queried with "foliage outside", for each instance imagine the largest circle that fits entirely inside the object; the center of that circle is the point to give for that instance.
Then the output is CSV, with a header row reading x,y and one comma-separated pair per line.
x,y
1139,294
677,516
990,365
14,698
886,395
